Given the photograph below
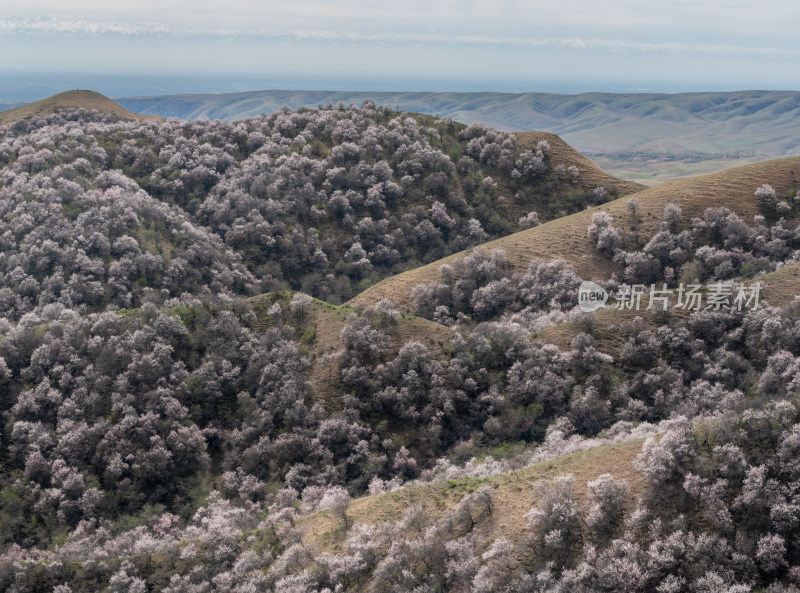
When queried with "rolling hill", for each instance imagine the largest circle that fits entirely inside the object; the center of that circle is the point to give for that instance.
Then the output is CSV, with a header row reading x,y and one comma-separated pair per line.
x,y
492,195
566,237
591,122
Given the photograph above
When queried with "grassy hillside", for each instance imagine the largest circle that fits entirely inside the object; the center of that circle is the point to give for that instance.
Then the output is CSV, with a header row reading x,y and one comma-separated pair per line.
x,y
79,99
566,237
512,495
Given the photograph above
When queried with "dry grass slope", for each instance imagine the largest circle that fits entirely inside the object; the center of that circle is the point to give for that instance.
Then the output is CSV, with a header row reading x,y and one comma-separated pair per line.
x,y
590,174
512,496
89,100
559,188
780,288
566,237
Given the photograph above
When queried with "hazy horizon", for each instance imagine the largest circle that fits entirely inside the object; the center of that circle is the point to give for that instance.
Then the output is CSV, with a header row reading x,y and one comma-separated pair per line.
x,y
24,87
577,46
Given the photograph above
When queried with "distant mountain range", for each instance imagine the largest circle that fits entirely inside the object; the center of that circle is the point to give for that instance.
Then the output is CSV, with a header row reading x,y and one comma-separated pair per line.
x,y
764,122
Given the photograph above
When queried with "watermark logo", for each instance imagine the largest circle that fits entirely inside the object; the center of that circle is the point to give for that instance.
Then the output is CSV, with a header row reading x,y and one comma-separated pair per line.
x,y
591,296
689,297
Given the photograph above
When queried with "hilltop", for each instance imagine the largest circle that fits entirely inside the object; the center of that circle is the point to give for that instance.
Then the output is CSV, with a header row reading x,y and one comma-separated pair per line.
x,y
78,99
591,175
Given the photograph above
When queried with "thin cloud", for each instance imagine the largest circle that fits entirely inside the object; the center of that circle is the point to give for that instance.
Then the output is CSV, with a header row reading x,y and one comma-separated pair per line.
x,y
53,26
75,27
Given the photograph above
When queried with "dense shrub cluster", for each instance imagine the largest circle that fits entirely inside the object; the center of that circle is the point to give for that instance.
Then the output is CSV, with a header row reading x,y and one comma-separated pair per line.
x,y
324,200
718,514
479,287
69,250
720,246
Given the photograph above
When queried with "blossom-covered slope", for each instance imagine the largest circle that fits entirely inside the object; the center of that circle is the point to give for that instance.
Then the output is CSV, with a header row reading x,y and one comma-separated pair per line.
x,y
181,414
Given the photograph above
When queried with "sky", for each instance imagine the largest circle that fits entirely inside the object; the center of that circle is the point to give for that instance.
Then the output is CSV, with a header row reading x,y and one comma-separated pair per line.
x,y
533,45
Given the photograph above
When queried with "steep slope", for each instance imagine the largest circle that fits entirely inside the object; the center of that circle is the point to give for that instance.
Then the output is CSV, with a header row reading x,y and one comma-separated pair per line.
x,y
590,174
79,99
566,237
